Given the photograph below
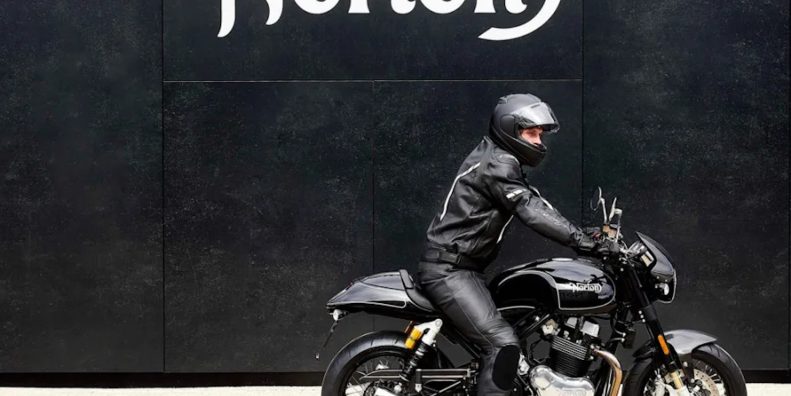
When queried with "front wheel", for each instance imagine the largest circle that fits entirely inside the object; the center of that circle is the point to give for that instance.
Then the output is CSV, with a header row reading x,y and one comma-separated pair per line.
x,y
369,352
716,374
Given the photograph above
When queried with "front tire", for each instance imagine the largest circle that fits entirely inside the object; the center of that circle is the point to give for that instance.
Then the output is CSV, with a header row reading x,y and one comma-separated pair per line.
x,y
383,348
716,370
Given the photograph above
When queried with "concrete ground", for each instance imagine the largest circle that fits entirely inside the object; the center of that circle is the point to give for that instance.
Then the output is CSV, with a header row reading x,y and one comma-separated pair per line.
x,y
752,389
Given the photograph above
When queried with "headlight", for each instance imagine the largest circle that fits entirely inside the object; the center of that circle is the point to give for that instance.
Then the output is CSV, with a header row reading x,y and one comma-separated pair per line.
x,y
647,258
666,290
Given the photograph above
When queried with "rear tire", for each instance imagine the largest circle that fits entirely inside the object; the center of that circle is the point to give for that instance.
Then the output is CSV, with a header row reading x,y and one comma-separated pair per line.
x,y
389,345
712,355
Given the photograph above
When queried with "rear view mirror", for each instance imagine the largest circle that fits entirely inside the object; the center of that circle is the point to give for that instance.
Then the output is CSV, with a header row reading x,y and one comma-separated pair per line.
x,y
612,209
596,200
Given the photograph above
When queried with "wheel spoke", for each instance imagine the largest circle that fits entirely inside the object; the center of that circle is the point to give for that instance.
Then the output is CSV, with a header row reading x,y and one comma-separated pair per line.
x,y
358,387
355,386
355,390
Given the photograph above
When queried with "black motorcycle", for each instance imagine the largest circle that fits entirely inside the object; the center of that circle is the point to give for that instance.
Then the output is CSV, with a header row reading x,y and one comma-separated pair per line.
x,y
556,306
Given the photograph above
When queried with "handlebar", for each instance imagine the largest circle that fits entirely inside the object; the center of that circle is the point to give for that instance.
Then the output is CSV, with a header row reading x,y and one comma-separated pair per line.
x,y
623,253
611,230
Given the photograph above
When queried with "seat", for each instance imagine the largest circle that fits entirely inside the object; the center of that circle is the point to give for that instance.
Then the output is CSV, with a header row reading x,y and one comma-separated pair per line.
x,y
414,293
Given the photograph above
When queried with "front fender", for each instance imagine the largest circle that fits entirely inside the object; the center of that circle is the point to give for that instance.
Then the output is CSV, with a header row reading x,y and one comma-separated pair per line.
x,y
681,341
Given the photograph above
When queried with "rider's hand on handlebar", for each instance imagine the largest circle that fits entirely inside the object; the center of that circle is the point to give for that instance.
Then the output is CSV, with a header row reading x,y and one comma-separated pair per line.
x,y
607,247
594,232
592,242
584,244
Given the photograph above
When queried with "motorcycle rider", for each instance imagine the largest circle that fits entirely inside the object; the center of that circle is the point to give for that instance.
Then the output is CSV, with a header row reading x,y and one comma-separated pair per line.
x,y
464,237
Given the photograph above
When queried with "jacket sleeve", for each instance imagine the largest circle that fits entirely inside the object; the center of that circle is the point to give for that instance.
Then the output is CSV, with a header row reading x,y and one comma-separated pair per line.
x,y
508,189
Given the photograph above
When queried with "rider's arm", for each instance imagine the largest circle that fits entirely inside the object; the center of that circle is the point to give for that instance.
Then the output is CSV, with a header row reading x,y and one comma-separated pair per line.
x,y
506,186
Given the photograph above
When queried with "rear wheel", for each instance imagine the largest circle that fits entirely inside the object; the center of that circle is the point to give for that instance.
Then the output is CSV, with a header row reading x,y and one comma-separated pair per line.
x,y
382,360
716,374
368,353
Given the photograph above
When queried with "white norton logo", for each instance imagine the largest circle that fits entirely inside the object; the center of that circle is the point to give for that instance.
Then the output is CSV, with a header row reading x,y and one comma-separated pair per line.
x,y
405,7
586,287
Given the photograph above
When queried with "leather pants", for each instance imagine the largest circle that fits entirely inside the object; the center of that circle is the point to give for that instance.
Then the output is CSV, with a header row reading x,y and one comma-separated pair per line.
x,y
464,299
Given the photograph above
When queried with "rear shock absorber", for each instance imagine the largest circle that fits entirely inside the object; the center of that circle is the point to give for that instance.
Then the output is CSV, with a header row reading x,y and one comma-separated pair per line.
x,y
426,333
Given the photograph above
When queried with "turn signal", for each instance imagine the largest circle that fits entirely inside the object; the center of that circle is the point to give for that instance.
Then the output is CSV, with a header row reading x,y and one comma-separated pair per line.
x,y
413,337
663,344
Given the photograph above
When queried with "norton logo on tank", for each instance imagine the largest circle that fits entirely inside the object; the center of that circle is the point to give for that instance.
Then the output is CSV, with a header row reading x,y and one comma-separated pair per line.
x,y
403,7
586,287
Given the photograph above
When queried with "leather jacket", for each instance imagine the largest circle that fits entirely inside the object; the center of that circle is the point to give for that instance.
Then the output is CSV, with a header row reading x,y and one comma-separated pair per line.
x,y
488,191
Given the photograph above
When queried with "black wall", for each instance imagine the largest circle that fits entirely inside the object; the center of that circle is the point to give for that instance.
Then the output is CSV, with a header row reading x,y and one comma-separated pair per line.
x,y
174,201
81,196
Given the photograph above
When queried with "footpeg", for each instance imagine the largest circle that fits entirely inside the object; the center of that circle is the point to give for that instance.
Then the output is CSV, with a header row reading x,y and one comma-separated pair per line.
x,y
524,367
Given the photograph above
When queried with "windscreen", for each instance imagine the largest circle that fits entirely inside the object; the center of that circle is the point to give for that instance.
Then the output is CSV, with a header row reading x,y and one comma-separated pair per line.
x,y
662,266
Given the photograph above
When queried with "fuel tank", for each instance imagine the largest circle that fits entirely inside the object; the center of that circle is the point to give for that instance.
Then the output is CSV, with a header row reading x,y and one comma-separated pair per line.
x,y
573,286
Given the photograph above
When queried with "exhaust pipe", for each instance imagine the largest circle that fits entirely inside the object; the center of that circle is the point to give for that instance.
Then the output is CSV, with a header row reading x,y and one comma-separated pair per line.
x,y
617,373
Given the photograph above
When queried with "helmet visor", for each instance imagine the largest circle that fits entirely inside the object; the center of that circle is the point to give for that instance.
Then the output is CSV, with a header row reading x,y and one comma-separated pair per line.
x,y
538,114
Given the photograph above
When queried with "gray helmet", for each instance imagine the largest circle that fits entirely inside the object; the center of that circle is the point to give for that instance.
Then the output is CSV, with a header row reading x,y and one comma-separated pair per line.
x,y
517,111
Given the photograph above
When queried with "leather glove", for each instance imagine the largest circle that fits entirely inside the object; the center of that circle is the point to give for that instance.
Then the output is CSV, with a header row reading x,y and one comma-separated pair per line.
x,y
607,247
584,244
594,232
592,242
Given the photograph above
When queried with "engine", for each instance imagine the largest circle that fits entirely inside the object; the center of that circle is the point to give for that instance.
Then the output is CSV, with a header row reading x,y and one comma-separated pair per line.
x,y
570,358
549,383
571,353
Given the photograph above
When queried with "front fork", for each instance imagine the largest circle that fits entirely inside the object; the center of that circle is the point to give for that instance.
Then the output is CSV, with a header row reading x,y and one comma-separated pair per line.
x,y
645,312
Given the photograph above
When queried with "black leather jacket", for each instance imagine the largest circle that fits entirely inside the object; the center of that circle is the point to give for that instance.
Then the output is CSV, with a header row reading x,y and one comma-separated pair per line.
x,y
488,191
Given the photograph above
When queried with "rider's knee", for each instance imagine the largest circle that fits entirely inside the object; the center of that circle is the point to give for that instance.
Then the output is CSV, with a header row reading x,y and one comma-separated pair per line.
x,y
500,333
505,365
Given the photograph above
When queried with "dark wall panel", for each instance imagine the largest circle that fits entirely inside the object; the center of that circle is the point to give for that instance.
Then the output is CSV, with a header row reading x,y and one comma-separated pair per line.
x,y
80,191
378,45
686,121
279,191
267,216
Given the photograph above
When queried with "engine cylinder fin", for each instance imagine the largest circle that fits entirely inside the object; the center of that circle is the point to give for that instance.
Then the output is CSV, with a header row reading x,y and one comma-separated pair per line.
x,y
569,358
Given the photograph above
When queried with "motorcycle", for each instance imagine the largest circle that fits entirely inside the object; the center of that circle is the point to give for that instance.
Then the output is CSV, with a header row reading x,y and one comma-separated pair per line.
x,y
560,303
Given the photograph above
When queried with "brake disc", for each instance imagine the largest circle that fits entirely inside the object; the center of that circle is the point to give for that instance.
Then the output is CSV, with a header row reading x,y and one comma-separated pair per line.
x,y
705,385
710,387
